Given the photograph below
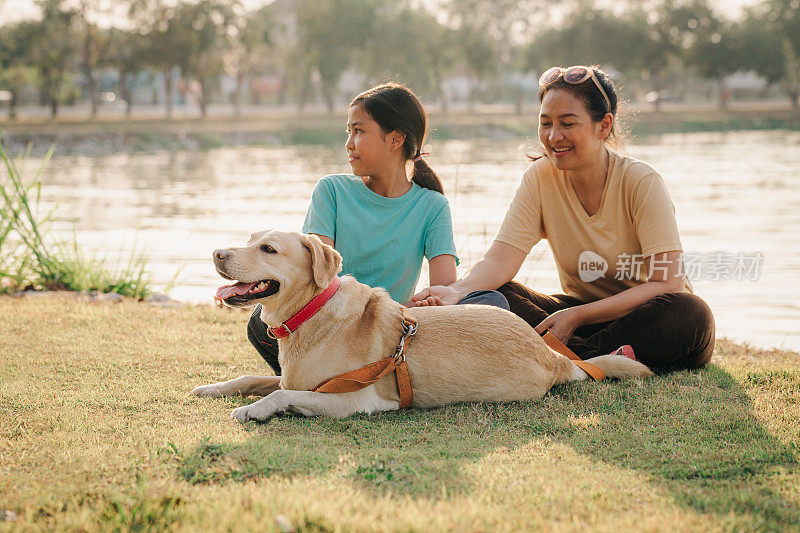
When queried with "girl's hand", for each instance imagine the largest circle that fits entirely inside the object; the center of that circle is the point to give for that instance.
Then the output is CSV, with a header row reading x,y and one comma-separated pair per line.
x,y
561,323
436,295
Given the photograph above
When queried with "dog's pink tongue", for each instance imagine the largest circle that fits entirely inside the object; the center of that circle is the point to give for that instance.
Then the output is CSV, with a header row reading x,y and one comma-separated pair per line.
x,y
227,291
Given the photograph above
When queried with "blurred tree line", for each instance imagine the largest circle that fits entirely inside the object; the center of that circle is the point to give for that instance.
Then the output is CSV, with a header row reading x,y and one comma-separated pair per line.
x,y
312,47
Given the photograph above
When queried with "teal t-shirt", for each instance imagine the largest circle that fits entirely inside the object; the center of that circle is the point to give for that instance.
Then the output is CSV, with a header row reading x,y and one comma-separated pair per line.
x,y
382,240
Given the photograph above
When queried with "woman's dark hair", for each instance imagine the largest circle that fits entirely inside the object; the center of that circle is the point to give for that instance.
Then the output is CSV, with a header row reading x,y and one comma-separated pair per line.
x,y
395,108
593,100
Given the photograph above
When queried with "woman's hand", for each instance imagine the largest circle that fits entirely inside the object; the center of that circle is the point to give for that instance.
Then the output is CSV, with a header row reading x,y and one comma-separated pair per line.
x,y
498,266
436,295
561,323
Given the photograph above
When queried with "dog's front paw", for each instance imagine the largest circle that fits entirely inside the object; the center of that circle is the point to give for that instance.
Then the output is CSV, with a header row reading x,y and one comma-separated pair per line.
x,y
263,409
207,391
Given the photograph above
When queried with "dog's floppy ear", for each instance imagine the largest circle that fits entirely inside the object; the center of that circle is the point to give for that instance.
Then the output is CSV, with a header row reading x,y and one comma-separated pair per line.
x,y
255,236
325,261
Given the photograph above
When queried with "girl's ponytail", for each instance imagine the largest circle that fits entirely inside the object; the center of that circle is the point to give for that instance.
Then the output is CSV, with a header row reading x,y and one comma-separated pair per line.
x,y
424,176
395,108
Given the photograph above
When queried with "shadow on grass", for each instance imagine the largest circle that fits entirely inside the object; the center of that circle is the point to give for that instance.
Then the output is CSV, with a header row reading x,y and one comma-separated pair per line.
x,y
693,435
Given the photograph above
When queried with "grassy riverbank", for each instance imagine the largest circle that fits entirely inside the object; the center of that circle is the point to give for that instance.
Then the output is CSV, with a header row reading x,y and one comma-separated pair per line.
x,y
99,433
31,260
285,127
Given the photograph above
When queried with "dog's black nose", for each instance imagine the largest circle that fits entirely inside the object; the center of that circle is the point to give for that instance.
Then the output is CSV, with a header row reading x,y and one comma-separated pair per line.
x,y
220,255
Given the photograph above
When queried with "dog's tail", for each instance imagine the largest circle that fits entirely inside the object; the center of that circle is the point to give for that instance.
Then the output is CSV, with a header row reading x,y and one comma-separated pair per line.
x,y
615,367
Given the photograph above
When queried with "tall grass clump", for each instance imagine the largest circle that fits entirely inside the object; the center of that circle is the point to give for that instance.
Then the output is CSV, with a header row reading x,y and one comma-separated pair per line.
x,y
30,259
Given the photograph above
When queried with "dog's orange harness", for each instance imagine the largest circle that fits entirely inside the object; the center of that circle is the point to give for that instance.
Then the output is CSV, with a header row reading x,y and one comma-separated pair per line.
x,y
593,370
367,375
363,377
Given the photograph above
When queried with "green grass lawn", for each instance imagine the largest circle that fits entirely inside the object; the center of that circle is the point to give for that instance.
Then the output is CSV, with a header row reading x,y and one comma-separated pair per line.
x,y
98,432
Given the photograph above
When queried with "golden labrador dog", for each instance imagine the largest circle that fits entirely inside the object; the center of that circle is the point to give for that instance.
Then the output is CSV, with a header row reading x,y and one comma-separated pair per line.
x,y
460,353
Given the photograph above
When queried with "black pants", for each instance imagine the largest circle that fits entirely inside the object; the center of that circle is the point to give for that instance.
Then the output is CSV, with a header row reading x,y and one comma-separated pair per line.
x,y
672,331
267,347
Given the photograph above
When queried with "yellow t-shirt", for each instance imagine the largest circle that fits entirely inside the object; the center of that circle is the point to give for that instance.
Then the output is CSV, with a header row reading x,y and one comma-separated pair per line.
x,y
600,255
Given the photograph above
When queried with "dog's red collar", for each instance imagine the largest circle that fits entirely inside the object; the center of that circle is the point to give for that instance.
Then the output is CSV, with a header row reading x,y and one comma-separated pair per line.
x,y
306,312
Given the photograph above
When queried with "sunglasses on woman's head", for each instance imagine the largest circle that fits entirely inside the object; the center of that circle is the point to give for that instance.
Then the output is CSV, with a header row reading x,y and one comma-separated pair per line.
x,y
574,76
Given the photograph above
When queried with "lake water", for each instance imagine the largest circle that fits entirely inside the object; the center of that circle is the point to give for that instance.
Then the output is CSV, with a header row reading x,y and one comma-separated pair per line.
x,y
735,192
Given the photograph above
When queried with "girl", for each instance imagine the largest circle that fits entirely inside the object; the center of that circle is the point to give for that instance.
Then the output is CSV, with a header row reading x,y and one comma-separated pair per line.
x,y
379,220
597,209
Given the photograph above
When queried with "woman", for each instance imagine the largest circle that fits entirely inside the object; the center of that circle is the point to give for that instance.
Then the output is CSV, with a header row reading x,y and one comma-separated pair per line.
x,y
603,215
389,214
